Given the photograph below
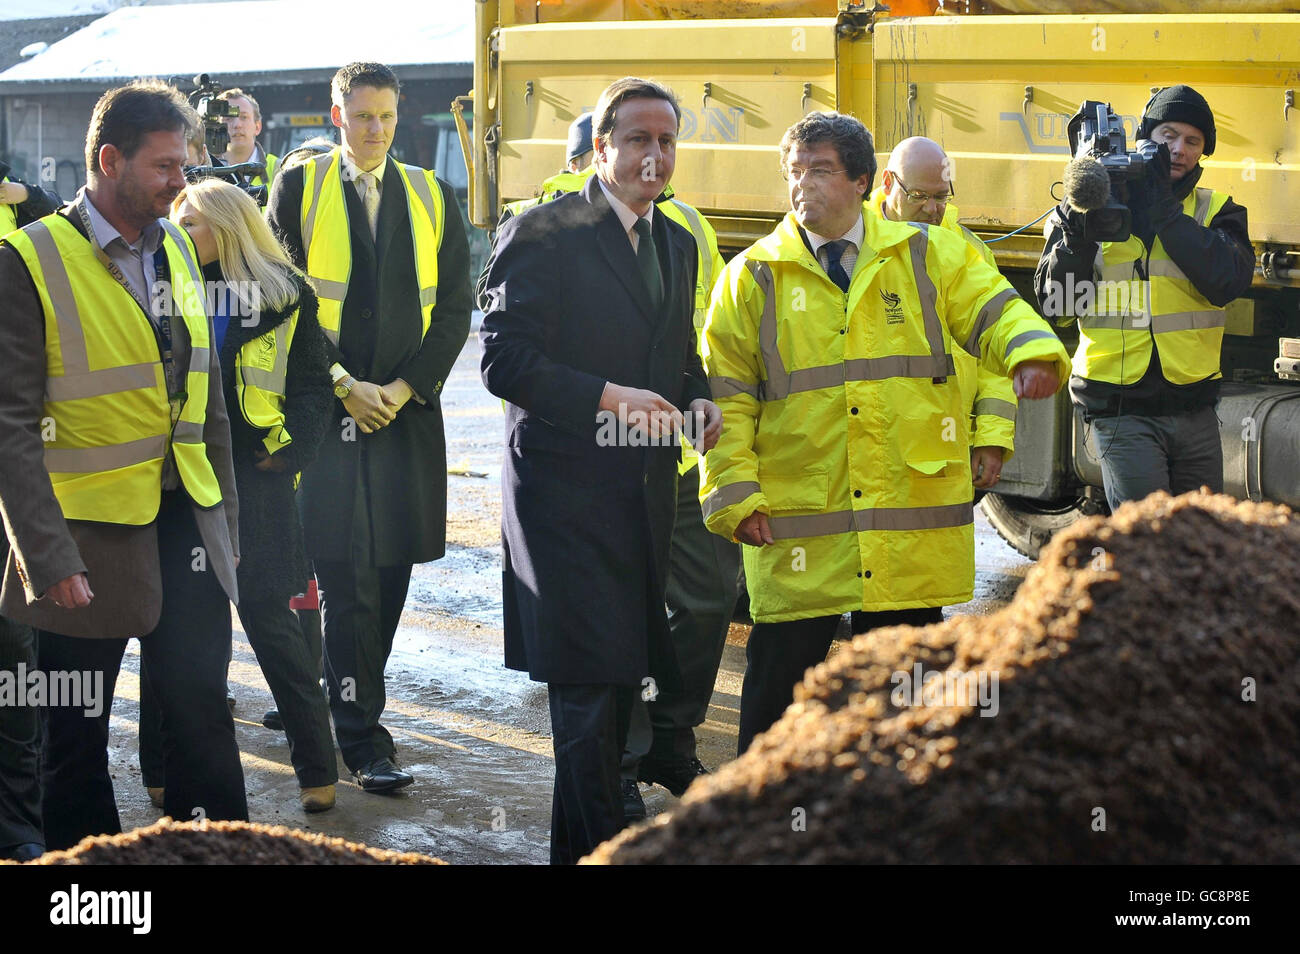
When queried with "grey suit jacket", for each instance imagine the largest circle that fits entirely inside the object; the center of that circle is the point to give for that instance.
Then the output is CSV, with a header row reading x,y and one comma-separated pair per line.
x,y
121,562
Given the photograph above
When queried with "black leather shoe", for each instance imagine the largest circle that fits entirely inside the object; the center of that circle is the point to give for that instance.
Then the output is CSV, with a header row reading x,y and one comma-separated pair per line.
x,y
272,720
381,775
633,804
675,775
28,851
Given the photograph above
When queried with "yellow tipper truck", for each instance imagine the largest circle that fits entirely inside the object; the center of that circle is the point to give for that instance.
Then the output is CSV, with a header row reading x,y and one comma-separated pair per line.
x,y
996,88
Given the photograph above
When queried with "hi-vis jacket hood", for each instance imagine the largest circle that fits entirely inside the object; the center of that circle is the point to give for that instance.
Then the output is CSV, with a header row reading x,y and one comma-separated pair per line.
x,y
844,421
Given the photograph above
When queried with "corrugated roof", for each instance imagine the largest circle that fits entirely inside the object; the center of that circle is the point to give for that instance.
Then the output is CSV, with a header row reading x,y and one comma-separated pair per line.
x,y
289,35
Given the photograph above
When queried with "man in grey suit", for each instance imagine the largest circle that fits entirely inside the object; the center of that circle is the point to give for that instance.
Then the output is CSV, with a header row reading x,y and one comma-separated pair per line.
x,y
116,482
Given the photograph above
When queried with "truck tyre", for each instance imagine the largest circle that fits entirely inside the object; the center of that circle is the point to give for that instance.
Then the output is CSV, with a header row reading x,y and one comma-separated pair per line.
x,y
1027,525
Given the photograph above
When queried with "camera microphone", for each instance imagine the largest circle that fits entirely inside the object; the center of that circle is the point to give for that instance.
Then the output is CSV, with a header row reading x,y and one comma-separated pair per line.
x,y
1087,186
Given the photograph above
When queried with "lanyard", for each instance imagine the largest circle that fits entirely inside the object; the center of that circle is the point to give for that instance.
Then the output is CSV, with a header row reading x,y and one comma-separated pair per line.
x,y
176,399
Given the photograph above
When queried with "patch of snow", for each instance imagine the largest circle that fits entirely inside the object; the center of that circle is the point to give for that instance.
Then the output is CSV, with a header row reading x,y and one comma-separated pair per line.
x,y
181,40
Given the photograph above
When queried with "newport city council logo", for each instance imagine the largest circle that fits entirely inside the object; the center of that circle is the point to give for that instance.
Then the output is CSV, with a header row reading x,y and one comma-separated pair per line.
x,y
893,307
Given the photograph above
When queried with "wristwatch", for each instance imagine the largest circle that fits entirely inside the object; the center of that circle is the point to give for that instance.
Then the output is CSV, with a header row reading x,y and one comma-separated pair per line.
x,y
343,387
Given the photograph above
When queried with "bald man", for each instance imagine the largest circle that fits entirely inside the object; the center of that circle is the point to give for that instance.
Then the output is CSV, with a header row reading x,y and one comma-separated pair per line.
x,y
918,187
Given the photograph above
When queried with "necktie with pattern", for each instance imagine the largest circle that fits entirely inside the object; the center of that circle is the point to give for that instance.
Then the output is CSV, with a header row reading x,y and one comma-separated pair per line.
x,y
370,199
834,270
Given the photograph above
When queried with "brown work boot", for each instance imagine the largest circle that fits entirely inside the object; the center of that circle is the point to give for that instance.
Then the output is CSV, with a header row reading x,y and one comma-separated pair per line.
x,y
156,795
318,799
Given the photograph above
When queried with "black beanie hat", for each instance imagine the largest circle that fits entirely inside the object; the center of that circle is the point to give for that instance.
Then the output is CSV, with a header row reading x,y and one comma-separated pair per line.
x,y
1179,104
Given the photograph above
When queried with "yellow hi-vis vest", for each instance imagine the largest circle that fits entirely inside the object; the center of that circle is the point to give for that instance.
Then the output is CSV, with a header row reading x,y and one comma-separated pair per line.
x,y
271,163
107,419
329,249
261,367
557,185
1128,313
710,265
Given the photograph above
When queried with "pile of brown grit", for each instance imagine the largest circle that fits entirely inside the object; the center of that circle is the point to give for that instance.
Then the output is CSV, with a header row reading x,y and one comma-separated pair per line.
x,y
1147,711
224,843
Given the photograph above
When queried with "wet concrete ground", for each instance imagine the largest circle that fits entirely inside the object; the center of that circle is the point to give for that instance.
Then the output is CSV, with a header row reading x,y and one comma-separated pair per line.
x,y
475,735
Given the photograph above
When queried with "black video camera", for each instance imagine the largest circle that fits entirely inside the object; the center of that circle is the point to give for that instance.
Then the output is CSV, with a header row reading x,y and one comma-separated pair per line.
x,y
1096,131
214,112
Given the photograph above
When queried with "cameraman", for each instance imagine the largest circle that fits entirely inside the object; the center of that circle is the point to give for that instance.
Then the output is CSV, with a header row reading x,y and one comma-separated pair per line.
x,y
1189,254
244,130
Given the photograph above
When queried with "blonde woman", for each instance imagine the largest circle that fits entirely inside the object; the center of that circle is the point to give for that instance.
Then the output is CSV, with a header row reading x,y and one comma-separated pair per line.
x,y
279,404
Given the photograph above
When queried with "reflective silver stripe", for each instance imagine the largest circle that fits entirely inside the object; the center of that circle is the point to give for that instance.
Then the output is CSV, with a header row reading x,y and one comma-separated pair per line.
x,y
1187,321
428,296
865,521
132,377
94,460
72,343
780,384
725,387
1203,199
995,407
266,380
777,385
187,432
1025,337
321,164
421,186
990,313
867,369
199,359
1134,322
1165,268
728,496
334,291
272,380
918,244
895,366
183,245
701,241
331,334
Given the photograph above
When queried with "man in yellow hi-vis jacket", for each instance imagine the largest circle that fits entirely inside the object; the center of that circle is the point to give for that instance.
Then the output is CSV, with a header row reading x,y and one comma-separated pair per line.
x,y
844,464
918,186
116,479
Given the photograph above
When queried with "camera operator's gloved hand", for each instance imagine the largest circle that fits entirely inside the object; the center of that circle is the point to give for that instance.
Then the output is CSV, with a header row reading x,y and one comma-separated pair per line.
x,y
1071,221
1164,209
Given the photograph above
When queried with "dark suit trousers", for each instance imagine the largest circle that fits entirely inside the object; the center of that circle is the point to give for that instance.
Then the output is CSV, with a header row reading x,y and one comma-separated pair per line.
x,y
589,730
184,659
361,605
20,788
703,577
779,654
292,669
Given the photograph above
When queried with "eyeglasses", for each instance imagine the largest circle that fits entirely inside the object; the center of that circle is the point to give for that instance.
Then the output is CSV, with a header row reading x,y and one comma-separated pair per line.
x,y
923,197
818,175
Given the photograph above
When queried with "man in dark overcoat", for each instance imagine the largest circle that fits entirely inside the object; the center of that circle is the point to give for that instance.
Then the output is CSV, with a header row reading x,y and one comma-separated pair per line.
x,y
588,336
375,501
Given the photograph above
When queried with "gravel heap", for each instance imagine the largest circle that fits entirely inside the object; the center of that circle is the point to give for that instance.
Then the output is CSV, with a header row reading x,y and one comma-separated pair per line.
x,y
224,843
1147,711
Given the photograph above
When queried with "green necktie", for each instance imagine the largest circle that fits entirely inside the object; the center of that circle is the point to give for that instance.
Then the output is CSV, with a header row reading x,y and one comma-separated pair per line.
x,y
647,259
